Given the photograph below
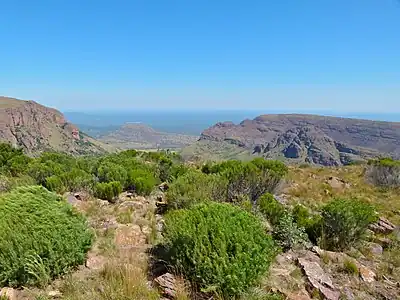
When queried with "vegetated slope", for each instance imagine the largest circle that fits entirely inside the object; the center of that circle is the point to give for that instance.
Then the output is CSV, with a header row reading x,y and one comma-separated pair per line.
x,y
141,136
302,138
37,128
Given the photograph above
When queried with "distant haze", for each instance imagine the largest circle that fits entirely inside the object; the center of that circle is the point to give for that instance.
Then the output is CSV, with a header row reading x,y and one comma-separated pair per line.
x,y
192,122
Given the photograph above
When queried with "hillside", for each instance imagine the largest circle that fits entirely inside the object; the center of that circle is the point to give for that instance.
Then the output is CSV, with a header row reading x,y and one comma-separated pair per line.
x,y
297,138
141,136
37,128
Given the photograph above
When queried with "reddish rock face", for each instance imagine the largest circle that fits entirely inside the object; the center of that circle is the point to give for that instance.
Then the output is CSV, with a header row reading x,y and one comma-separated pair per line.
x,y
36,128
314,139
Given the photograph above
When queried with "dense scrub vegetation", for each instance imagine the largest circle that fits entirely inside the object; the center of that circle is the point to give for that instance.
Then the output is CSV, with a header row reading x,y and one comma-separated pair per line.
x,y
220,247
105,176
41,237
224,223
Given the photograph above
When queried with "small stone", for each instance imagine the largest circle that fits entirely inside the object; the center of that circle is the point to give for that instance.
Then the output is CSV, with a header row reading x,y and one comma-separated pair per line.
x,y
375,248
366,274
54,294
299,295
337,183
167,283
348,293
8,293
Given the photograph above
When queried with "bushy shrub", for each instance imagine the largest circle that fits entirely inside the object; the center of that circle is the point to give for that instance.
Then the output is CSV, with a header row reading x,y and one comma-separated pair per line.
x,y
107,190
344,222
384,172
142,181
288,234
219,247
275,166
12,160
312,223
55,184
108,172
271,208
252,178
195,187
41,237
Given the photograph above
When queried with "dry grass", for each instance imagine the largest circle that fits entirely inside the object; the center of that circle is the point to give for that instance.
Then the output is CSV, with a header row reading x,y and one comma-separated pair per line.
x,y
120,279
309,186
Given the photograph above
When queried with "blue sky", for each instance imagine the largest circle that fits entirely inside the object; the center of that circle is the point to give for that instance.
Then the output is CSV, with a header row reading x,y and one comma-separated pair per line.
x,y
294,55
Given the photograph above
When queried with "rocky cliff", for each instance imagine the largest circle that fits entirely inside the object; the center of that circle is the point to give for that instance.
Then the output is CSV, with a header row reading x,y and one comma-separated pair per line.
x,y
305,138
37,128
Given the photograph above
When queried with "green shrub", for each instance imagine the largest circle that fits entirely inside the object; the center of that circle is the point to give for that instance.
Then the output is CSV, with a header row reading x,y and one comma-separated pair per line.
x,y
271,208
108,172
276,166
195,187
253,179
344,223
219,247
311,223
77,180
12,160
107,190
41,236
55,184
288,234
142,181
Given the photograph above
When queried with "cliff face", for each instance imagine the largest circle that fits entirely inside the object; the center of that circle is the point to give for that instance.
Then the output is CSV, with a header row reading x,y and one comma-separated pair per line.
x,y
37,128
309,138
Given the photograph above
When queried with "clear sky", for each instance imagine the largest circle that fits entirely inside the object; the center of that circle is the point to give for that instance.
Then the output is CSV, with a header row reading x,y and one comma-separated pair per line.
x,y
337,55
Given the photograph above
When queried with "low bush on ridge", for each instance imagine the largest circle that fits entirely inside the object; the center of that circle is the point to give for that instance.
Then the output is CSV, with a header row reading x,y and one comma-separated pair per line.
x,y
344,222
41,236
219,247
384,172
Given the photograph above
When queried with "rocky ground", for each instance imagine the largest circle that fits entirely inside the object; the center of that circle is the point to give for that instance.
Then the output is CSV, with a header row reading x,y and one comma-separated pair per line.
x,y
118,264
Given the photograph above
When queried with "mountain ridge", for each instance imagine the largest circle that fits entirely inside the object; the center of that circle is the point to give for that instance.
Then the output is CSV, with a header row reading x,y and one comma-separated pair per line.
x,y
37,128
307,138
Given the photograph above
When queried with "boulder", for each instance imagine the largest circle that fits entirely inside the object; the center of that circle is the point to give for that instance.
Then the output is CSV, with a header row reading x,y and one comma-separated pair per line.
x,y
375,249
317,278
167,284
382,226
337,183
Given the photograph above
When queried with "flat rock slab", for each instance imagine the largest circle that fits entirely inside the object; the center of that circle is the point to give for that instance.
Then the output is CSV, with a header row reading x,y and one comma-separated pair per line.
x,y
317,277
167,283
382,226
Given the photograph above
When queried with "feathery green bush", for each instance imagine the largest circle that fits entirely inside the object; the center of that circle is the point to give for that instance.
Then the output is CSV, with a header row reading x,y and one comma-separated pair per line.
x,y
107,190
344,222
194,187
41,236
142,181
271,208
219,246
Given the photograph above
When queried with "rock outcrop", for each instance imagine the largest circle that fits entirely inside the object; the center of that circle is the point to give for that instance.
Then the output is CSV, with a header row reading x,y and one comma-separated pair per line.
x,y
37,128
312,139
